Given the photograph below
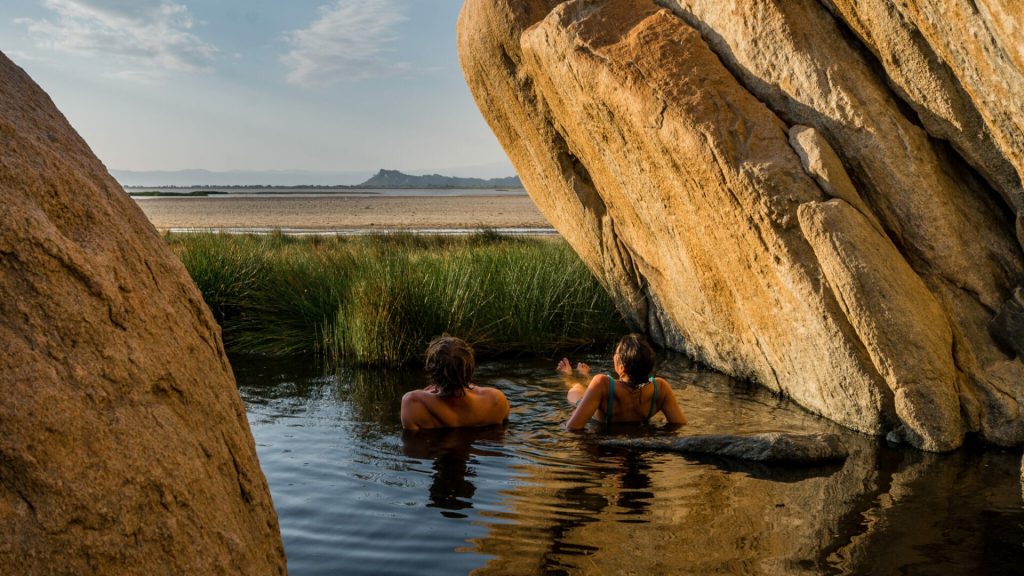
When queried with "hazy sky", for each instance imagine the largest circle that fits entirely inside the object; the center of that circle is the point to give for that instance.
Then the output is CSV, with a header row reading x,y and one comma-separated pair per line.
x,y
322,85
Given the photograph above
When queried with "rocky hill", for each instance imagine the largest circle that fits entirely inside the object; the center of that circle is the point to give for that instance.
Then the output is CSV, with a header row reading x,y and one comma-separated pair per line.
x,y
824,197
396,179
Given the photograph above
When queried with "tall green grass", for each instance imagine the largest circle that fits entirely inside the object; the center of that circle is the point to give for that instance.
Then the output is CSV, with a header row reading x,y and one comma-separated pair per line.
x,y
378,300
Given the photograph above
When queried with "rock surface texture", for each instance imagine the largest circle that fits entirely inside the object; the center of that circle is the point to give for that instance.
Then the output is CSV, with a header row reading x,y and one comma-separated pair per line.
x,y
824,197
124,446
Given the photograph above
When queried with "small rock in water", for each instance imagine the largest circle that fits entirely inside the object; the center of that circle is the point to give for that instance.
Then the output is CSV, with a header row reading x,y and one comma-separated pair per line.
x,y
769,448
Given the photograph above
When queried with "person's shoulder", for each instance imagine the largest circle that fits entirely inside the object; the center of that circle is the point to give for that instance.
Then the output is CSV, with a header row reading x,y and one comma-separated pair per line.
x,y
663,386
495,403
489,392
414,409
416,397
601,379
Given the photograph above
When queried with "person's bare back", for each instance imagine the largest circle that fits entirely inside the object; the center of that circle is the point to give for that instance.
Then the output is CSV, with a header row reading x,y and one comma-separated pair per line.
x,y
478,406
451,401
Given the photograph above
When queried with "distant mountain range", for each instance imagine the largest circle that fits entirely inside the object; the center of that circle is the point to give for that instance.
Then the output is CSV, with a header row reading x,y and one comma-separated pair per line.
x,y
283,178
396,179
201,178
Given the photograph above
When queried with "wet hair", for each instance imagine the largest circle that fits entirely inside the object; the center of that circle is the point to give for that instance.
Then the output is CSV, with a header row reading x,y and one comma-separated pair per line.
x,y
637,357
449,364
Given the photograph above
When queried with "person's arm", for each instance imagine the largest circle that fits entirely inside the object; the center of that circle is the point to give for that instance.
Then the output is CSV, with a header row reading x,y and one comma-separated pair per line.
x,y
412,411
589,403
669,407
503,406
575,394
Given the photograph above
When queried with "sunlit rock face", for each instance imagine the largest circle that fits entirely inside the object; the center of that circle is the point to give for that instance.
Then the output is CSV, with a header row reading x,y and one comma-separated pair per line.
x,y
822,197
124,446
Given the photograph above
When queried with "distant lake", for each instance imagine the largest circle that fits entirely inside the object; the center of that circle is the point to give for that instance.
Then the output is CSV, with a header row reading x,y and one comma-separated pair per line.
x,y
255,192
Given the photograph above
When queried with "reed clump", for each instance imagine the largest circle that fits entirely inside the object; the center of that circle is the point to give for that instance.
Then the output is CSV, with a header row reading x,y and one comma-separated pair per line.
x,y
378,300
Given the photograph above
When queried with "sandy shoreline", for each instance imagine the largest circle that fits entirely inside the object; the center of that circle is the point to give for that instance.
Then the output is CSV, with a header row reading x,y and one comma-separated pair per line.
x,y
343,213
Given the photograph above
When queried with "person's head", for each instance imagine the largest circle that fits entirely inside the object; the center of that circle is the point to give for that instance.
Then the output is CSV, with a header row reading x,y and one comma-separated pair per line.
x,y
634,358
450,364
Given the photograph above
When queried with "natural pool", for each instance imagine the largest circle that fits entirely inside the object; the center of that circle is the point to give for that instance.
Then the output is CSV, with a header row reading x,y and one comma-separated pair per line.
x,y
357,496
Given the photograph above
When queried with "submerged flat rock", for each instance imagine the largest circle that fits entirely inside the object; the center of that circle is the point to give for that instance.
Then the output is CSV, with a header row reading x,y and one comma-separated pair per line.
x,y
768,448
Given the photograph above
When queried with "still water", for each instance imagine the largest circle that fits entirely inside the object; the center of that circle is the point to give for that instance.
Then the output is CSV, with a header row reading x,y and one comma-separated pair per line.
x,y
357,496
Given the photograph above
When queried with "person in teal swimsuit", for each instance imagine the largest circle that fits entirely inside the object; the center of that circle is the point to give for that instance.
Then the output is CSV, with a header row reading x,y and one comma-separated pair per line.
x,y
634,394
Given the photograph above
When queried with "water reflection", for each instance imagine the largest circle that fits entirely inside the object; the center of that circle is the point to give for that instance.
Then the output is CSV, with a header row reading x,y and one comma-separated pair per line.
x,y
635,487
773,472
375,395
453,454
356,495
939,514
664,515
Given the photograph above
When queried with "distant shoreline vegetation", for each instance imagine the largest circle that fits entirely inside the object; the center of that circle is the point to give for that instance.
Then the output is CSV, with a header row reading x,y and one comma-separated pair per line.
x,y
192,193
384,179
378,300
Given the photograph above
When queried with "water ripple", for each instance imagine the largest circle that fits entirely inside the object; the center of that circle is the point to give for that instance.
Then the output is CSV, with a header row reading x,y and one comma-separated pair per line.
x,y
356,495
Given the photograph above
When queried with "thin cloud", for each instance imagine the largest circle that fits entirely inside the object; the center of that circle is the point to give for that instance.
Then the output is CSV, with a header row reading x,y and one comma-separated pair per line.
x,y
351,40
19,56
151,38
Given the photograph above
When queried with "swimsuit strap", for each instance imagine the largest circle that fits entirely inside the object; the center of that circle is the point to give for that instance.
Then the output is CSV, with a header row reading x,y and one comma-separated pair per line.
x,y
654,397
611,399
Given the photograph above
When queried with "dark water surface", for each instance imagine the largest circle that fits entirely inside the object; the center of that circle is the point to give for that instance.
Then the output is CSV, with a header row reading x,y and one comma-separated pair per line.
x,y
357,496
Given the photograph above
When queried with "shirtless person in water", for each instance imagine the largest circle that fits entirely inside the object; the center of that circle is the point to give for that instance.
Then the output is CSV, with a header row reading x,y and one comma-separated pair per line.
x,y
451,401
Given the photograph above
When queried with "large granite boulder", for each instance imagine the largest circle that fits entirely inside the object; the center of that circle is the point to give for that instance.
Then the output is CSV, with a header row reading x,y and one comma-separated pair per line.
x,y
755,189
124,446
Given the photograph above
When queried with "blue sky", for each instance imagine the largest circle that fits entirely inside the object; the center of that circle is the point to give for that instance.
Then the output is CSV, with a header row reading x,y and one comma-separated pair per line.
x,y
253,85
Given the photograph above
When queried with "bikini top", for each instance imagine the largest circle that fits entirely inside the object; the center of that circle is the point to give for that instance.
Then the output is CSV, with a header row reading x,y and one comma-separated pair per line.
x,y
611,399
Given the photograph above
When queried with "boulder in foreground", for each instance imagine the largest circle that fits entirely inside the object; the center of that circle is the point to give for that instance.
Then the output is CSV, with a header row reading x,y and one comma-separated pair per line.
x,y
124,446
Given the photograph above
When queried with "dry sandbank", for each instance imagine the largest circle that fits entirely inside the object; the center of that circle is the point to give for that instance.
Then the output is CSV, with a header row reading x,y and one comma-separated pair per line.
x,y
340,212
